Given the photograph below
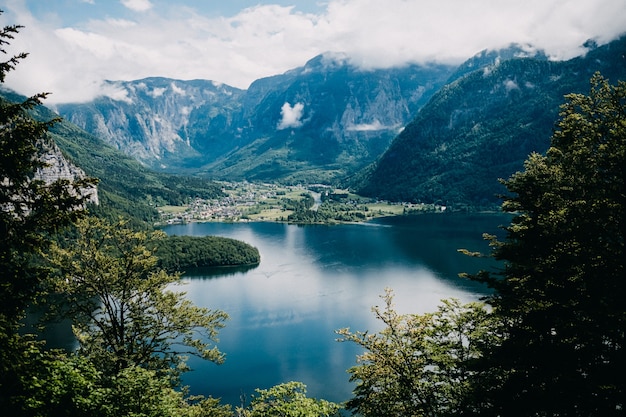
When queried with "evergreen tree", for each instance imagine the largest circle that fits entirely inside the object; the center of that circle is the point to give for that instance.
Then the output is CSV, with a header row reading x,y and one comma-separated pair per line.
x,y
560,298
30,211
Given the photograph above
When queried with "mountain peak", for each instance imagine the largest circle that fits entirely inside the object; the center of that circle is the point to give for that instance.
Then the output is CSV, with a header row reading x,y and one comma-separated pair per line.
x,y
493,57
325,62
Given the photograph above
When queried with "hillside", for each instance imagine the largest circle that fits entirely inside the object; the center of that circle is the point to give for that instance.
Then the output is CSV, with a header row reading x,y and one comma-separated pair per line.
x,y
125,186
316,123
481,127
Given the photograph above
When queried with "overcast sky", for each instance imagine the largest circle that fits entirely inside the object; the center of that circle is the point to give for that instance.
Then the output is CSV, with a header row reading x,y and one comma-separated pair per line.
x,y
75,44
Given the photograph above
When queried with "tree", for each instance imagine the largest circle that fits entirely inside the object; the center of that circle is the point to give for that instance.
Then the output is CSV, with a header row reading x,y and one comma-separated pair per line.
x,y
140,392
124,311
419,364
560,298
30,212
71,386
287,400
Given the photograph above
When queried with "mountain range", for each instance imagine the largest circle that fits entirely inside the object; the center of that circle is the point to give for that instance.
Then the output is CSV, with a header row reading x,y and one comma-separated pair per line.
x,y
421,133
319,123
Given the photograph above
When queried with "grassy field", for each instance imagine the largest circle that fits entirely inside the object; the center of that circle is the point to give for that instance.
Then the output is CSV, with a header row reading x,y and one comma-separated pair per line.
x,y
173,209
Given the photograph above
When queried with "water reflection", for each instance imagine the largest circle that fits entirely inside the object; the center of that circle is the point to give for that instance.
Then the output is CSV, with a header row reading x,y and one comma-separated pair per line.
x,y
313,280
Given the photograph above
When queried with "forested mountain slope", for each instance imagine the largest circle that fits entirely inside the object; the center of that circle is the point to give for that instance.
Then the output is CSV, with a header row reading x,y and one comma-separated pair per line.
x,y
482,126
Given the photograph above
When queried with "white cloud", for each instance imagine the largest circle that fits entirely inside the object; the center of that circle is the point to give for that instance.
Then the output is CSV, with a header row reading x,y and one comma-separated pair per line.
x,y
120,23
116,93
369,127
178,90
137,5
157,92
291,116
510,85
178,42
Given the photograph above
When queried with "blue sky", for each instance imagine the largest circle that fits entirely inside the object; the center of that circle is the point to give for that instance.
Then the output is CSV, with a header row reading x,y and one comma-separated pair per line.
x,y
74,45
75,12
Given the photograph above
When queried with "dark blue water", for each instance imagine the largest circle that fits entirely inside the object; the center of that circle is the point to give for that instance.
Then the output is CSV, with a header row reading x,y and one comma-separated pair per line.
x,y
313,280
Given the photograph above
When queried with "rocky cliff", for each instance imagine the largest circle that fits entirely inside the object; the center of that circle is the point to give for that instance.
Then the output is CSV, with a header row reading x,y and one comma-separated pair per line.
x,y
156,120
57,167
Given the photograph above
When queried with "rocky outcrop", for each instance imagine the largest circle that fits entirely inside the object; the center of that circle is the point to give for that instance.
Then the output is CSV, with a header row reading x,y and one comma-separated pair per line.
x,y
57,167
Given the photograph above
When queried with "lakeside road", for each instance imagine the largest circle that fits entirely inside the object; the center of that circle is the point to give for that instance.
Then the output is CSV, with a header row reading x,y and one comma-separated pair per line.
x,y
318,200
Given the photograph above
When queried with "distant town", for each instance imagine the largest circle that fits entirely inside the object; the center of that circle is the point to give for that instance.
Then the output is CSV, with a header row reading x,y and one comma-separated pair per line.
x,y
246,201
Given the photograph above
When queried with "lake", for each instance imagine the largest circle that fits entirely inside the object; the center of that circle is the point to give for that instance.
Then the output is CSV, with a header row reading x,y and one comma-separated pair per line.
x,y
313,280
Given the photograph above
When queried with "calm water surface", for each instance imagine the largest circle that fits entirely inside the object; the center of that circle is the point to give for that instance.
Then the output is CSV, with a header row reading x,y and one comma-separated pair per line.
x,y
313,280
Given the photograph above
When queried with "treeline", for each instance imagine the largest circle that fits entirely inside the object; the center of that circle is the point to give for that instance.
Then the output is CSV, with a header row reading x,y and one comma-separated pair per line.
x,y
180,253
334,207
330,212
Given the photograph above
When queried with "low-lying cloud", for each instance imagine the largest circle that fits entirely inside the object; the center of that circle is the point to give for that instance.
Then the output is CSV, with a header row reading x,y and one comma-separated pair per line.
x,y
368,127
291,116
166,39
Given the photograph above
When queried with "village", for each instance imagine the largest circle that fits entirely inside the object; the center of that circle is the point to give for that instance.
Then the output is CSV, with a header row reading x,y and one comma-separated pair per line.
x,y
245,201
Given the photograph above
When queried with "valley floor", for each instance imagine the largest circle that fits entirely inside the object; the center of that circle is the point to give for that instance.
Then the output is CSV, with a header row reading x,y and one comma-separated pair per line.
x,y
297,204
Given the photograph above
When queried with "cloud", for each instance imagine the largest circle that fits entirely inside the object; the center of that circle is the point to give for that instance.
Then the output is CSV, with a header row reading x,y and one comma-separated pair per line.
x,y
510,85
183,43
176,89
157,92
116,93
137,5
291,116
368,127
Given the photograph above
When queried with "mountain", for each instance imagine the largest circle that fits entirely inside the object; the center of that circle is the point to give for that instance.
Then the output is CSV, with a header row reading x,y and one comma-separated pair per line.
x,y
160,122
126,188
326,119
482,126
315,123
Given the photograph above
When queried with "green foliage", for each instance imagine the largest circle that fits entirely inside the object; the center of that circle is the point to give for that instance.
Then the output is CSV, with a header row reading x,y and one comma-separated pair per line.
x,y
331,211
61,386
139,392
560,298
71,386
287,400
123,309
179,253
30,210
418,365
